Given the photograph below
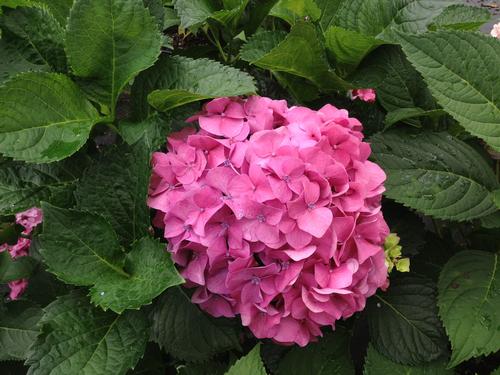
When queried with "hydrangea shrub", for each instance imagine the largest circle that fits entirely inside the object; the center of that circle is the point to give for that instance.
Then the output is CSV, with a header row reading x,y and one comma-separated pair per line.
x,y
249,187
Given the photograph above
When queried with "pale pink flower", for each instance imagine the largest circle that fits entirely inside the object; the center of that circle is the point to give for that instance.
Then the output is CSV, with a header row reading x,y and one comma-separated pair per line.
x,y
366,95
495,31
29,219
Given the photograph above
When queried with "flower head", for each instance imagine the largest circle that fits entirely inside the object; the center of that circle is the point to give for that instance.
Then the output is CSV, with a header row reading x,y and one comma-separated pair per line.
x,y
273,214
495,31
366,95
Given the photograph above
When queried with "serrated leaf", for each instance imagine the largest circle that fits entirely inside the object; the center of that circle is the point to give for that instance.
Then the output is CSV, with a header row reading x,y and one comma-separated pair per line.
x,y
116,187
194,12
80,339
404,323
461,17
151,272
44,117
250,364
464,79
377,364
108,43
23,186
15,269
59,8
36,35
328,10
301,53
153,131
257,12
231,14
330,356
292,11
260,44
379,18
118,281
398,84
184,80
468,304
436,174
14,62
348,47
18,329
186,332
405,114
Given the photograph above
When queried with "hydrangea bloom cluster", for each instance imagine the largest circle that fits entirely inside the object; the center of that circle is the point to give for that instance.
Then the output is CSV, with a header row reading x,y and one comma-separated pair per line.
x,y
29,219
366,95
273,213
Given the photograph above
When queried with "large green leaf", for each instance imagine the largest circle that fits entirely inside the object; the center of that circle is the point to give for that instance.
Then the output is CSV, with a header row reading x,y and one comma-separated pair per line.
x,y
15,269
59,8
398,84
404,323
152,131
44,117
187,333
151,272
18,329
23,186
116,187
260,44
108,43
194,12
461,17
251,364
80,339
461,70
183,80
379,18
118,281
468,304
330,356
302,54
436,174
296,10
328,10
13,62
377,364
36,35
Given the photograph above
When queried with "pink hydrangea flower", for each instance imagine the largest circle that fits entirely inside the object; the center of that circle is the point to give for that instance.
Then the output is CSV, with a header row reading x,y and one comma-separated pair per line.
x,y
495,31
366,95
273,214
17,288
29,219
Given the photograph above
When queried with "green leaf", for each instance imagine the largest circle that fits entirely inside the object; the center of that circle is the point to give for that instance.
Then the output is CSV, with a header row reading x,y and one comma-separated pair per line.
x,y
15,269
212,368
59,8
302,54
328,10
260,44
187,333
44,118
292,11
398,84
16,3
170,19
257,12
461,17
251,364
151,272
435,174
80,339
194,12
118,281
379,18
405,114
377,364
468,304
231,15
329,356
108,43
463,80
404,323
153,131
13,62
348,47
116,187
18,329
183,80
301,89
36,35
72,254
23,186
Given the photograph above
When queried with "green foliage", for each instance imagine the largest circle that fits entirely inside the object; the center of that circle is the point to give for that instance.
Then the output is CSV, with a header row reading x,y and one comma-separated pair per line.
x,y
45,117
436,174
80,339
404,323
186,333
89,89
108,43
468,304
